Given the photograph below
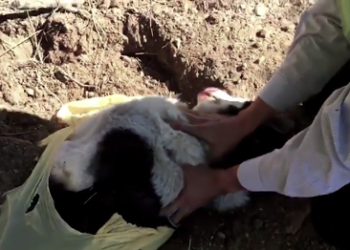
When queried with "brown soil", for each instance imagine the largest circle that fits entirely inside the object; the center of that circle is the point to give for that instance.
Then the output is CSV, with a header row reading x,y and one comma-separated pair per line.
x,y
144,47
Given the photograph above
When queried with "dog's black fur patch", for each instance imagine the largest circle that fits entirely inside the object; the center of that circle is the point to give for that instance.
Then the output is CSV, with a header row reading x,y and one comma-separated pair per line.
x,y
123,186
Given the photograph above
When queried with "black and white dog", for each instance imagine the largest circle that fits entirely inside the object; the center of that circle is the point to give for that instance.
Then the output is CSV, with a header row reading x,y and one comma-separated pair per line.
x,y
126,160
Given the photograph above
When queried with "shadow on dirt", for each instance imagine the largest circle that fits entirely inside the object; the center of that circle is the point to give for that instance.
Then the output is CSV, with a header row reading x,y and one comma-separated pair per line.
x,y
20,134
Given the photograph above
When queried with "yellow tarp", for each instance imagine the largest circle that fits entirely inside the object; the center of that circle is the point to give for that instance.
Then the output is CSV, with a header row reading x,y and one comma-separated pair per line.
x,y
43,228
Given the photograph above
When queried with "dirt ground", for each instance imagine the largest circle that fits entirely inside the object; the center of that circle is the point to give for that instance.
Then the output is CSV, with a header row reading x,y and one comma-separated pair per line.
x,y
143,47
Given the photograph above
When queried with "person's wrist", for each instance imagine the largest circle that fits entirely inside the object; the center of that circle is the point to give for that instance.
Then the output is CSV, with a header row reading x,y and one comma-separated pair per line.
x,y
247,123
255,115
227,180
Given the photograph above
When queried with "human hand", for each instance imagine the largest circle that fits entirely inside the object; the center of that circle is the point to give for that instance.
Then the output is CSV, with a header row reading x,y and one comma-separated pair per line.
x,y
201,186
221,132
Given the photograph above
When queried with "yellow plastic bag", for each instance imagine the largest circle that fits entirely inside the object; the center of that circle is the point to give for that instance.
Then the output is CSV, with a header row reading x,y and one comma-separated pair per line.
x,y
43,228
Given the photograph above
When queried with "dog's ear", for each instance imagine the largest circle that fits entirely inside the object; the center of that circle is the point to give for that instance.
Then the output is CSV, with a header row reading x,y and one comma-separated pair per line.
x,y
282,124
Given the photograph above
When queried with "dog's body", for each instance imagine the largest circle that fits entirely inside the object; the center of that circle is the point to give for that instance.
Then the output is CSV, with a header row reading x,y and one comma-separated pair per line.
x,y
127,159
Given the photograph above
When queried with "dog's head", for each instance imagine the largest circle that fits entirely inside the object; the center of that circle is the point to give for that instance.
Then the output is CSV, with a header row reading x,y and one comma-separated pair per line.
x,y
215,101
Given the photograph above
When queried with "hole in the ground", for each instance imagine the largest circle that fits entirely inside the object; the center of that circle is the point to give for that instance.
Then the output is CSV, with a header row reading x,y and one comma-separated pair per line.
x,y
151,66
47,36
188,77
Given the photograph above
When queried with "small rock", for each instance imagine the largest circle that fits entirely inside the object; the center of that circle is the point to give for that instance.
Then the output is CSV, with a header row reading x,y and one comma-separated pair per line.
x,y
211,19
221,235
256,45
40,93
104,4
260,9
261,34
234,76
240,68
126,59
230,47
285,28
260,60
13,95
30,92
91,94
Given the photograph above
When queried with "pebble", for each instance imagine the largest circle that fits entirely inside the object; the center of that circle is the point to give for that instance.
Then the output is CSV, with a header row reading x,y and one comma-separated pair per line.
x,y
13,95
126,59
285,28
234,76
260,9
221,235
261,34
256,45
211,19
251,39
240,68
30,91
40,93
260,60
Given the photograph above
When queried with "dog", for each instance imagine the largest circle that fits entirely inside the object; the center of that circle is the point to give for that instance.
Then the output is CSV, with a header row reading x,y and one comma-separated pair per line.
x,y
126,160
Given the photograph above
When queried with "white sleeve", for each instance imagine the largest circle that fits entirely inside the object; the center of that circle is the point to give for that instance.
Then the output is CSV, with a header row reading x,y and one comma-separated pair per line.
x,y
314,162
318,51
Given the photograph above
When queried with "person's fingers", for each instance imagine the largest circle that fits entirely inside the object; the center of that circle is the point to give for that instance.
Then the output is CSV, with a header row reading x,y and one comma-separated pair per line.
x,y
198,131
170,209
187,128
186,168
215,117
196,119
179,215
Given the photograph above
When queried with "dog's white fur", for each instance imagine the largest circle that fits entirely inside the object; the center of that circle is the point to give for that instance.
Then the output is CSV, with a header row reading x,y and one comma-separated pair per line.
x,y
149,118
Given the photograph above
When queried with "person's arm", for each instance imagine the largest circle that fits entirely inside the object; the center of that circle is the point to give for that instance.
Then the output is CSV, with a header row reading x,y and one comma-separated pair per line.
x,y
319,49
314,162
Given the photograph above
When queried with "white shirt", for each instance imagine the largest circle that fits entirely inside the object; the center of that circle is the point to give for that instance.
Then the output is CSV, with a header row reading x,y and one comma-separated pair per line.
x,y
317,160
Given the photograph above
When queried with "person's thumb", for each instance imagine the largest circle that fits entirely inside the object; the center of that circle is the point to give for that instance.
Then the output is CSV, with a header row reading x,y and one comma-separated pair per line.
x,y
196,119
170,209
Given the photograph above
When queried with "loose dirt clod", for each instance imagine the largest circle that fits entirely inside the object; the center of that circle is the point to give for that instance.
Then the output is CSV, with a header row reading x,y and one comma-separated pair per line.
x,y
260,9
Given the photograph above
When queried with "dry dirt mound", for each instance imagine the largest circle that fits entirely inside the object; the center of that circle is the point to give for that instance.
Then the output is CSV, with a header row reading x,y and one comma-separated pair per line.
x,y
149,47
